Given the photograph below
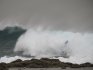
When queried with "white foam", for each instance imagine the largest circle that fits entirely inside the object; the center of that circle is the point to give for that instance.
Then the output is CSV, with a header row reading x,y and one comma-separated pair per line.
x,y
8,59
49,43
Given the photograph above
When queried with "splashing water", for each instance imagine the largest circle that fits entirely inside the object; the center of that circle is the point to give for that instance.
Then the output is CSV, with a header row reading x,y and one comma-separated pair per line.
x,y
67,46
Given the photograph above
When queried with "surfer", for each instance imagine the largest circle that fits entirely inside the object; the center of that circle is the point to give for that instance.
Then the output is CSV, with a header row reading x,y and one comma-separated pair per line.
x,y
66,42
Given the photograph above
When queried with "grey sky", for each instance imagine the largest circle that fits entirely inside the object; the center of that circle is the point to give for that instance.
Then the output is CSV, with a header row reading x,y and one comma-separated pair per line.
x,y
74,15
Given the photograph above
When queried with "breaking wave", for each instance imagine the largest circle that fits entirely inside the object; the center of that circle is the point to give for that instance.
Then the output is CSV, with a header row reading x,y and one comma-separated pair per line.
x,y
63,45
67,46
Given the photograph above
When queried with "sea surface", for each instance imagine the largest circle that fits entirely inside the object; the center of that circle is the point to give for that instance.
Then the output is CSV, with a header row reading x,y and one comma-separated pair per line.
x,y
8,39
18,43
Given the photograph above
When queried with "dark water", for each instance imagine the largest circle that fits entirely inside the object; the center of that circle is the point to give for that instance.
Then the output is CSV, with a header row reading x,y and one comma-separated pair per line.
x,y
8,39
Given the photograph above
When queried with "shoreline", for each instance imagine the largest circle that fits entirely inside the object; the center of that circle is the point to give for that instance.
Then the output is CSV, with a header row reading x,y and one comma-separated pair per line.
x,y
43,63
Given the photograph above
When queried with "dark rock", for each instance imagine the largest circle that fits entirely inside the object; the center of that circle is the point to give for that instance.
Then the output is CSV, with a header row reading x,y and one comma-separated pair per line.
x,y
86,65
3,66
51,60
18,60
45,63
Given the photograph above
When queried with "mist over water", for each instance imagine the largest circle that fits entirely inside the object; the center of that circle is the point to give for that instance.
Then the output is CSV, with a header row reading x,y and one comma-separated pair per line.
x,y
55,28
67,46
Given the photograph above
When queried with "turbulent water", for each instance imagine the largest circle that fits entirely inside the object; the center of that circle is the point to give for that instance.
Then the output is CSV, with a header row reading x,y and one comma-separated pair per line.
x,y
38,42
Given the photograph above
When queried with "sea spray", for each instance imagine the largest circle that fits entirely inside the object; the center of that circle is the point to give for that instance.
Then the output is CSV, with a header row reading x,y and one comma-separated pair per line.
x,y
63,45
43,43
76,47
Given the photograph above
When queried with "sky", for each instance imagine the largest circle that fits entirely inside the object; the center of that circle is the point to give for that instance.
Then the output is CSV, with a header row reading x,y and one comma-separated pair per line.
x,y
69,15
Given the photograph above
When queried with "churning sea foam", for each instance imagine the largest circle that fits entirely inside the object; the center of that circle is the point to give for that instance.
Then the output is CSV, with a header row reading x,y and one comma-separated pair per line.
x,y
7,59
67,46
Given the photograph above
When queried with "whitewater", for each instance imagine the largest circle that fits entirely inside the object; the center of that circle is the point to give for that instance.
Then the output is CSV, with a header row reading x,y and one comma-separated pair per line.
x,y
67,46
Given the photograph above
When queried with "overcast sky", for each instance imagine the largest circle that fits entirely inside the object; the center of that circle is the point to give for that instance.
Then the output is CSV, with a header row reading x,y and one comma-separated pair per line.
x,y
73,15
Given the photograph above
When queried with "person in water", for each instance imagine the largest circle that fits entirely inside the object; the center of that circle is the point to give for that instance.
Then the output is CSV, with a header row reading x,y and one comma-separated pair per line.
x,y
66,42
65,49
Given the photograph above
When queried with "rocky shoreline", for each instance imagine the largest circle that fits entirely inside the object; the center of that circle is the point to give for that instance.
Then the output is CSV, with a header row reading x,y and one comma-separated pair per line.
x,y
42,63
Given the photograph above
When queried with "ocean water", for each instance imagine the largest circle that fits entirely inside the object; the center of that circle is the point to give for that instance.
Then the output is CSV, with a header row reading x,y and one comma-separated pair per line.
x,y
17,43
